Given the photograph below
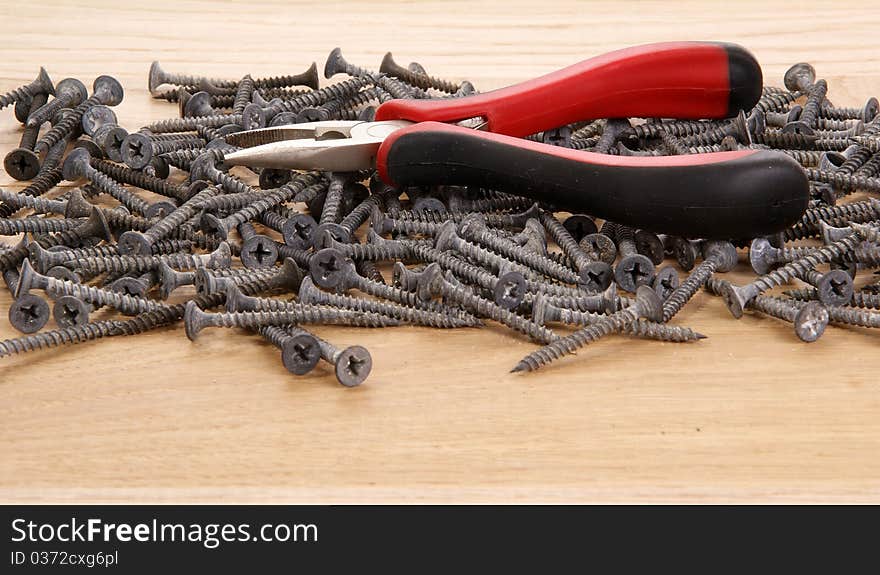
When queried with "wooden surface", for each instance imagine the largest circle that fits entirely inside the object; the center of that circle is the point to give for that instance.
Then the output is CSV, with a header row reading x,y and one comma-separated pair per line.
x,y
750,414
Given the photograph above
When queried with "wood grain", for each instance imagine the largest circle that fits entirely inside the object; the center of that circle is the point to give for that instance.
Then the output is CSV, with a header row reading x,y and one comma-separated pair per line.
x,y
750,414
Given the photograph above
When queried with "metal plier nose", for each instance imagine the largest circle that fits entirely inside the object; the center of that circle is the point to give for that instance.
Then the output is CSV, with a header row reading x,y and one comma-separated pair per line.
x,y
744,193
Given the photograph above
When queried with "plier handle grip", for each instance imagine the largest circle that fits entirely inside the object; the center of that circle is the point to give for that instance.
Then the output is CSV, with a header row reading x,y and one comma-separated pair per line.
x,y
735,194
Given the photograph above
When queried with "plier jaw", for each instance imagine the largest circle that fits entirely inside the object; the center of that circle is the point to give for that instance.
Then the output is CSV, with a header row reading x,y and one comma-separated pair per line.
x,y
332,145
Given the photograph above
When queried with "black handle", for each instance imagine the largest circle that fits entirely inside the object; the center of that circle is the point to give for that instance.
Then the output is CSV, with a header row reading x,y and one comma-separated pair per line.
x,y
724,195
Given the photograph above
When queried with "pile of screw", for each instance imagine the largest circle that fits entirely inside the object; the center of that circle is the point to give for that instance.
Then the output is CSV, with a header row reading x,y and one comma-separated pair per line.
x,y
459,255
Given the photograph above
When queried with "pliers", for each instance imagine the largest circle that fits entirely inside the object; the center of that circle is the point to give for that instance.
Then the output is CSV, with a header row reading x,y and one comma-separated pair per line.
x,y
736,194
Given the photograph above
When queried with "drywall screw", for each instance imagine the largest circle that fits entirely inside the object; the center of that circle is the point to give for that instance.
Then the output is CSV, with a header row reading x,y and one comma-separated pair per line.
x,y
809,321
42,83
171,279
134,242
799,77
22,163
257,250
665,282
544,311
267,201
738,128
423,81
341,91
136,286
607,302
867,300
138,150
736,297
28,313
199,104
720,257
125,175
377,250
310,294
613,130
599,248
30,279
866,113
832,288
157,77
106,90
299,353
54,338
634,269
39,205
351,365
650,246
69,93
122,264
69,311
446,287
594,275
533,238
78,166
807,120
474,229
647,305
196,320
288,277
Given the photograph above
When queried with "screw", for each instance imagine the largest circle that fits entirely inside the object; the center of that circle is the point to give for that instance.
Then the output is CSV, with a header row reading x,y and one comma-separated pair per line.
x,y
809,321
646,305
600,248
69,311
28,313
106,90
423,81
736,297
69,92
720,257
257,250
42,83
22,163
299,353
833,288
352,365
614,129
634,269
666,282
650,246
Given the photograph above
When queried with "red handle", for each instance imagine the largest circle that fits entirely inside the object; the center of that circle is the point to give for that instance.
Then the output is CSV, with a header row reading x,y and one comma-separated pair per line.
x,y
667,80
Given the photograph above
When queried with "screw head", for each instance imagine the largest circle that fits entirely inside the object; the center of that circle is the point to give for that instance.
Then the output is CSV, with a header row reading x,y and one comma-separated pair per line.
x,y
811,321
870,110
650,246
835,288
760,255
634,271
202,167
298,231
134,243
70,311
300,353
328,268
112,141
724,254
137,151
599,247
28,313
259,252
95,117
22,164
74,87
160,209
199,104
799,76
63,273
274,178
798,128
110,90
253,117
579,225
23,109
283,119
510,289
595,276
96,226
335,63
734,299
327,233
91,146
193,320
353,366
666,281
44,82
651,304
155,78
76,165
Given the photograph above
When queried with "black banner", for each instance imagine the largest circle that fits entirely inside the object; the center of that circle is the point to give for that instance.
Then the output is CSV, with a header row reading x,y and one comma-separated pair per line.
x,y
131,539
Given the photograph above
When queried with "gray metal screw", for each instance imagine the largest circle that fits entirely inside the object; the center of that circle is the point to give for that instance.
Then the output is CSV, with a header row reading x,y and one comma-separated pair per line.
x,y
69,92
647,305
42,83
28,313
351,365
299,353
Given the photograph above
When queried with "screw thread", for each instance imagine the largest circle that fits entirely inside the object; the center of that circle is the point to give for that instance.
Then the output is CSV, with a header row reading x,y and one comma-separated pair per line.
x,y
302,314
866,300
404,313
651,330
243,94
332,201
66,125
45,181
853,316
843,181
13,96
11,227
59,337
342,91
683,293
267,201
126,175
39,205
570,343
790,140
100,297
801,266
533,260
776,102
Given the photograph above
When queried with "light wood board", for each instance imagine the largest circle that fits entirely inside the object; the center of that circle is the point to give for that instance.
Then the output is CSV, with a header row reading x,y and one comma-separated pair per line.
x,y
750,414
